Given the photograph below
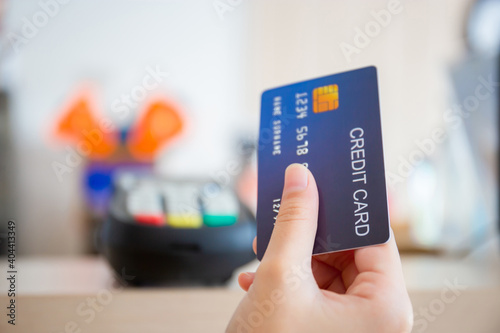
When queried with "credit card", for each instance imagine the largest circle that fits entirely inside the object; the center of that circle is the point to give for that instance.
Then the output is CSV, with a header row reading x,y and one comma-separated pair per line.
x,y
332,126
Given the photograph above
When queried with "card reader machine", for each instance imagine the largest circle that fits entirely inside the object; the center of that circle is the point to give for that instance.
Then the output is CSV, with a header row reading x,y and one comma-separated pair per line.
x,y
161,232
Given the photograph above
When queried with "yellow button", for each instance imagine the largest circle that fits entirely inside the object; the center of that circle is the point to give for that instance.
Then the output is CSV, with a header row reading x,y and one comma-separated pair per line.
x,y
185,220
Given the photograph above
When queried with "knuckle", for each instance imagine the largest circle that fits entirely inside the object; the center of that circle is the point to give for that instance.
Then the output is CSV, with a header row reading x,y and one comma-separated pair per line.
x,y
293,209
366,286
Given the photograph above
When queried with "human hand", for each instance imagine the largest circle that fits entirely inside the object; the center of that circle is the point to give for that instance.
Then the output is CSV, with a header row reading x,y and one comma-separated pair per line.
x,y
358,291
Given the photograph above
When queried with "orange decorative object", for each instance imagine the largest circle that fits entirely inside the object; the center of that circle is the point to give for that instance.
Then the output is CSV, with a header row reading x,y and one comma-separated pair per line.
x,y
159,124
79,125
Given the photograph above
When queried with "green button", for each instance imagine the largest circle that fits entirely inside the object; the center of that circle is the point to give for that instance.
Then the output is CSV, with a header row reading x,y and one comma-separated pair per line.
x,y
219,220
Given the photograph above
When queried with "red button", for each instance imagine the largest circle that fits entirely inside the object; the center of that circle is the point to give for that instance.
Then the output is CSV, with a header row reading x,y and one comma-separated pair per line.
x,y
150,219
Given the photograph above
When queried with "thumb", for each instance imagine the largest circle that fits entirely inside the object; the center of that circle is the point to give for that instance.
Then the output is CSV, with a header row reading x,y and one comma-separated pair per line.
x,y
293,235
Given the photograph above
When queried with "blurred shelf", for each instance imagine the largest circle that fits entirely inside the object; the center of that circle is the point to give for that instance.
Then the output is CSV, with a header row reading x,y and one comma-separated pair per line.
x,y
84,275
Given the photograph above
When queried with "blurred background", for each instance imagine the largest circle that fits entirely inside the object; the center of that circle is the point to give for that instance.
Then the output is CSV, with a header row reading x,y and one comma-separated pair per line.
x,y
172,88
213,60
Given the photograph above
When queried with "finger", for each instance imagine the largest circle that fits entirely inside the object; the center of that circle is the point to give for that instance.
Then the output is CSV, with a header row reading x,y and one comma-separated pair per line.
x,y
379,269
349,275
254,245
382,259
245,280
381,276
294,232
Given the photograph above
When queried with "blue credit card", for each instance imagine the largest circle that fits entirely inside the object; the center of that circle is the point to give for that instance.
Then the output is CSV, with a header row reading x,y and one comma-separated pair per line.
x,y
331,125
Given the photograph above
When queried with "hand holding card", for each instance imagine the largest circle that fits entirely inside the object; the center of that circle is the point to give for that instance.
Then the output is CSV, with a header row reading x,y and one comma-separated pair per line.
x,y
359,290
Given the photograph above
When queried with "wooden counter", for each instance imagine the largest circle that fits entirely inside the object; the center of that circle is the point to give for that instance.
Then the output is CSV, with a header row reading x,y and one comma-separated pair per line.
x,y
80,295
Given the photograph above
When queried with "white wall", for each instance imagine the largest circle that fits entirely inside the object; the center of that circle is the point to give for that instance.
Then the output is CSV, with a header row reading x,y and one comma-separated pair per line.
x,y
294,40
